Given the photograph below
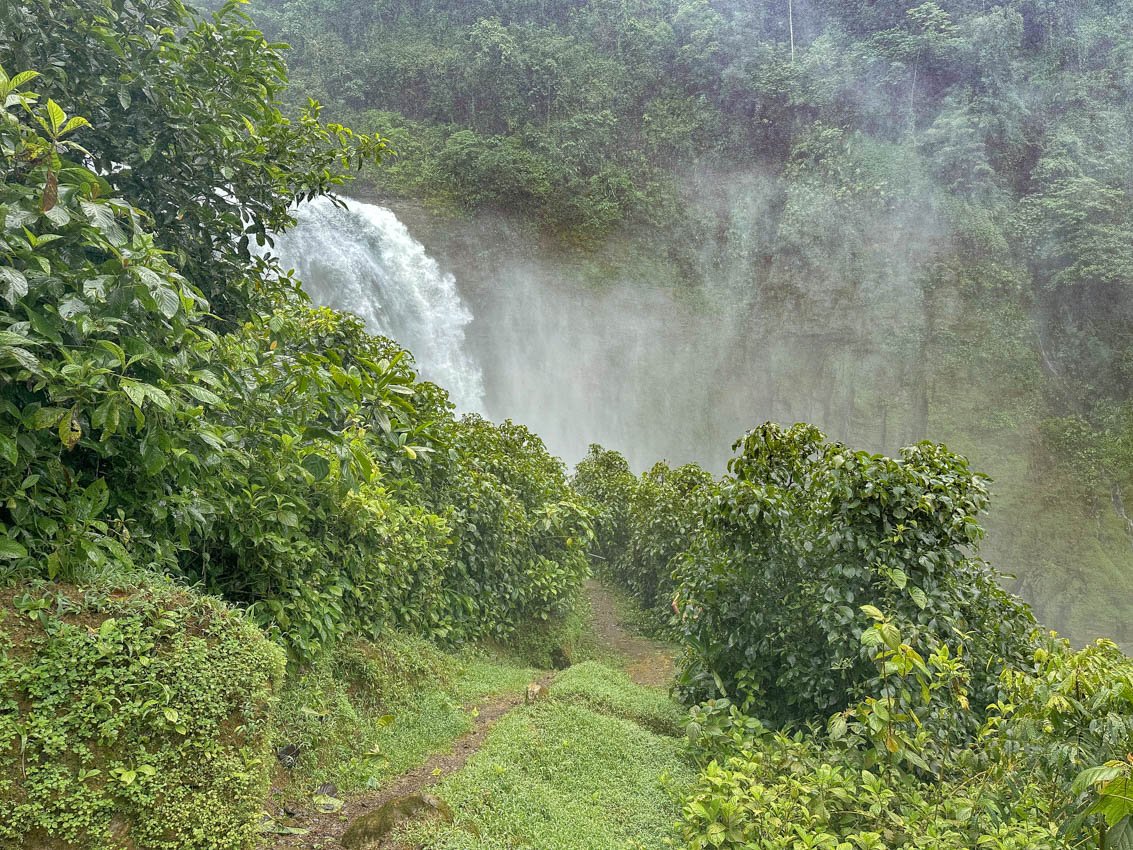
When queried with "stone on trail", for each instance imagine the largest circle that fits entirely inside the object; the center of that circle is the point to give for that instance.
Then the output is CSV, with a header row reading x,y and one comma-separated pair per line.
x,y
368,830
535,692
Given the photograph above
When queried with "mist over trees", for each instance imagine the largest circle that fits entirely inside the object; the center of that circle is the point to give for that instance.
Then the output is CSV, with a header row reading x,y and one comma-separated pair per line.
x,y
904,220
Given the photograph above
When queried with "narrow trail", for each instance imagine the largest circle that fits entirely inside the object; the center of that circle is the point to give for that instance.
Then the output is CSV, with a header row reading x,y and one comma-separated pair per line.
x,y
324,829
647,662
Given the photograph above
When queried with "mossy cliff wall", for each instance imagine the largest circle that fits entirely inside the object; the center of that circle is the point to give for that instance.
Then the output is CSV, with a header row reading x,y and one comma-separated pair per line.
x,y
131,719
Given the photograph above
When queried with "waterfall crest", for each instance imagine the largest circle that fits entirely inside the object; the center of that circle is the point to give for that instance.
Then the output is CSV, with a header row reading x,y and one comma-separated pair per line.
x,y
361,259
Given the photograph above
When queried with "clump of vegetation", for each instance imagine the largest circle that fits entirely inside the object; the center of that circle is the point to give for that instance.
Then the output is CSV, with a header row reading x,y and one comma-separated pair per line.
x,y
292,462
859,678
562,777
366,712
134,718
605,479
1046,769
642,524
608,691
800,536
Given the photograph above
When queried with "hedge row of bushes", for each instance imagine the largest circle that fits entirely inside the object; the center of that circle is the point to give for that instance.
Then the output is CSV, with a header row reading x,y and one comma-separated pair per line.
x,y
858,677
173,409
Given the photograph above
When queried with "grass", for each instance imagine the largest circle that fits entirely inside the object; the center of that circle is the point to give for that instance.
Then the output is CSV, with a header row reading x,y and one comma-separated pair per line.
x,y
559,775
611,692
372,711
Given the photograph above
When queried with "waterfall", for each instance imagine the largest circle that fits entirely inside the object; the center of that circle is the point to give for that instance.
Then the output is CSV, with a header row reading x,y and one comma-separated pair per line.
x,y
361,259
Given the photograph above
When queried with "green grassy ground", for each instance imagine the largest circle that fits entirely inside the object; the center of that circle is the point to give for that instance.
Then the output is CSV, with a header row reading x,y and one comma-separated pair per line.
x,y
561,776
599,763
369,713
606,691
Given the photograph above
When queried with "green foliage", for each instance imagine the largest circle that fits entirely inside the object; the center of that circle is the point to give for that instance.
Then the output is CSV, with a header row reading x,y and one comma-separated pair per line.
x,y
519,534
136,716
603,478
1019,782
367,712
799,536
665,514
642,524
186,124
294,464
103,354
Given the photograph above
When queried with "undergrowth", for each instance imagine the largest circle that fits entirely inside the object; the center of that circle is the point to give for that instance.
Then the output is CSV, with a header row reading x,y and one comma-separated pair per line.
x,y
558,776
133,719
368,712
598,688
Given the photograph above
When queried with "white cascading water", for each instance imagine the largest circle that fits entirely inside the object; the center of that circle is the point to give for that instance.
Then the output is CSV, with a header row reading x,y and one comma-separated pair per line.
x,y
361,259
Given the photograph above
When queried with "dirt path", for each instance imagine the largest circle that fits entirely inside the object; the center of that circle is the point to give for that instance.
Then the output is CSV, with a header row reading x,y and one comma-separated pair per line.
x,y
324,829
648,662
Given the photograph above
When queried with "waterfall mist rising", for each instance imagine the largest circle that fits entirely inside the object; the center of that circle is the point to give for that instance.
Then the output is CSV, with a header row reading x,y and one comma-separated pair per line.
x,y
830,322
361,259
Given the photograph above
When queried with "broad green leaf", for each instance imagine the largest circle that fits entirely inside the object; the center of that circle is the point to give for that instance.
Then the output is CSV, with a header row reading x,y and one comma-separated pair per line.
x,y
74,124
13,284
102,216
134,391
158,396
55,116
317,465
70,431
1092,776
873,612
168,301
47,417
9,449
202,394
9,338
11,550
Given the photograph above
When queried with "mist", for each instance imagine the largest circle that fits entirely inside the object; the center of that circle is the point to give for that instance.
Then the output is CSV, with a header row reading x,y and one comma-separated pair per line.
x,y
770,304
633,355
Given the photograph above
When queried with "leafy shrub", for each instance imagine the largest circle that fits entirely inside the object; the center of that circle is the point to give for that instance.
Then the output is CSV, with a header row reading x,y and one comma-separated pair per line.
x,y
187,125
800,535
604,479
519,533
881,777
294,465
135,718
665,513
642,524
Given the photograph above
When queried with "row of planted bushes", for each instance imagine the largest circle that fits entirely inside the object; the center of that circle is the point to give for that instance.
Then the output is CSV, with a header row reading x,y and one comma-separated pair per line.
x,y
641,523
293,464
858,676
173,413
